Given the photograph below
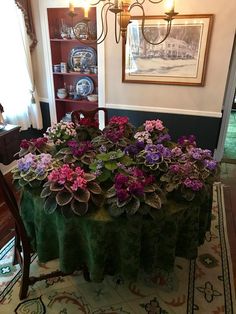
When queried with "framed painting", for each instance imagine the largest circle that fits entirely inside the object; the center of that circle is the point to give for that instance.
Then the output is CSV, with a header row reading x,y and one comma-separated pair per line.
x,y
180,60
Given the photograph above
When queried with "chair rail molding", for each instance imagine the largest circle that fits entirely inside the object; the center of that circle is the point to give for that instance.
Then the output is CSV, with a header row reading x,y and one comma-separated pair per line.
x,y
211,114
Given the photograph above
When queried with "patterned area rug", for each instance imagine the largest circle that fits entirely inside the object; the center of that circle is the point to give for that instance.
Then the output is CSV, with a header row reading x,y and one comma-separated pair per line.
x,y
203,286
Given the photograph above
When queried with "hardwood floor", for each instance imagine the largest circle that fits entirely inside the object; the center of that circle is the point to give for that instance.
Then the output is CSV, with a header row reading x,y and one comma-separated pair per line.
x,y
227,177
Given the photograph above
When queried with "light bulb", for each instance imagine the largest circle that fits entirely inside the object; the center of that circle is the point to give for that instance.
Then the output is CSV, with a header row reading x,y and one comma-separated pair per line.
x,y
170,6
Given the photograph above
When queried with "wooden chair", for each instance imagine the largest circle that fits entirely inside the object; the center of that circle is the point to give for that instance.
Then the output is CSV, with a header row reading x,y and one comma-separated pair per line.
x,y
22,249
92,114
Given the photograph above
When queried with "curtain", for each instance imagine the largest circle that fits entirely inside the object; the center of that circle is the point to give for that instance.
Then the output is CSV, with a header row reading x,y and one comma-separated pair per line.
x,y
18,93
25,6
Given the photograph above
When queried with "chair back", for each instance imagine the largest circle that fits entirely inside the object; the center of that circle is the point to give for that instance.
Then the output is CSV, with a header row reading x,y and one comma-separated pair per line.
x,y
92,114
12,205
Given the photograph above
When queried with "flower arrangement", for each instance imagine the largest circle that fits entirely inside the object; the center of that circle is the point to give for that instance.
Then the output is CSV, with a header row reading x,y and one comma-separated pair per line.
x,y
117,134
32,169
133,191
69,185
61,132
87,128
126,171
34,145
191,170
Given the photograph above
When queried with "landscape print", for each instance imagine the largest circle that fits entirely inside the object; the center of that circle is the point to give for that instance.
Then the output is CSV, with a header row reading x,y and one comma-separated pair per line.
x,y
180,59
177,56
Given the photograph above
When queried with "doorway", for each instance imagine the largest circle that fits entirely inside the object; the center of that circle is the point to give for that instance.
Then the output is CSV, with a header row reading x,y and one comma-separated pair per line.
x,y
230,139
228,115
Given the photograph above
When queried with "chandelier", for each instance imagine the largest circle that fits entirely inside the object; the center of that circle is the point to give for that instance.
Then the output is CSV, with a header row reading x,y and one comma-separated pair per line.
x,y
122,18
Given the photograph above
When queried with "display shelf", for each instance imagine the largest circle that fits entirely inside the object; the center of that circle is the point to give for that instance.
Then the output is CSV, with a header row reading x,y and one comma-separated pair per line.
x,y
79,101
60,53
75,74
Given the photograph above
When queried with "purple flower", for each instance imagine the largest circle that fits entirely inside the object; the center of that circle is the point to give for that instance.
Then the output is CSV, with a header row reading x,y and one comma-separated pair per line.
x,y
187,140
136,188
210,164
175,168
153,158
163,138
193,184
122,195
120,180
176,151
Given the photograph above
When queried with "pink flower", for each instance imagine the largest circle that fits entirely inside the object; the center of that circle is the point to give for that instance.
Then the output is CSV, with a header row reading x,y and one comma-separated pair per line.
x,y
119,120
79,183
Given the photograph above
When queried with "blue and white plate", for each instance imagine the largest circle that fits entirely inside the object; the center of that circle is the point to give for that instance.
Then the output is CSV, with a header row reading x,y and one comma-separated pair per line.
x,y
86,55
84,86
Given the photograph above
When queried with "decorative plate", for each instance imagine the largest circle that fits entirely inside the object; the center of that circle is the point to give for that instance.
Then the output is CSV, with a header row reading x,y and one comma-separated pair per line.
x,y
84,86
82,56
81,30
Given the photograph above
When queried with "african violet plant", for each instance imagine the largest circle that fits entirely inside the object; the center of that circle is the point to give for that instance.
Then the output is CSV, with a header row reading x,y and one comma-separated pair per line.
x,y
134,191
192,170
61,132
69,187
32,170
35,146
117,134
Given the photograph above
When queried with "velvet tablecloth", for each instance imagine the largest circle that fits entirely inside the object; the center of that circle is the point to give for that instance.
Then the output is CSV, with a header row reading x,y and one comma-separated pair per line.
x,y
116,245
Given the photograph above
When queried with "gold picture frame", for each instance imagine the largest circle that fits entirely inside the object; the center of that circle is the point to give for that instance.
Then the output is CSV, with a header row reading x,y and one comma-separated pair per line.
x,y
180,60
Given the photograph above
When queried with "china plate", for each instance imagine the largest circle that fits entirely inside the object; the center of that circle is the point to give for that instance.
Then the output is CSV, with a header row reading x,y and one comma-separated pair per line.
x,y
87,56
84,86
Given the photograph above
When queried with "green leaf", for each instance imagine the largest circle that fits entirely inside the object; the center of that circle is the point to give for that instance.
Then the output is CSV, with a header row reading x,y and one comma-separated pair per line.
x,y
42,177
153,200
115,211
79,208
35,183
104,176
50,204
68,159
97,199
89,176
22,152
48,183
111,165
103,156
110,192
165,178
63,197
149,188
65,150
16,176
94,187
132,207
45,192
171,187
82,195
59,156
30,176
22,182
54,186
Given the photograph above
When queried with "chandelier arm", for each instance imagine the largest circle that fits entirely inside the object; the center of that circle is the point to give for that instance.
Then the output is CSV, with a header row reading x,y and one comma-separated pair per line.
x,y
168,27
117,38
96,3
155,2
104,30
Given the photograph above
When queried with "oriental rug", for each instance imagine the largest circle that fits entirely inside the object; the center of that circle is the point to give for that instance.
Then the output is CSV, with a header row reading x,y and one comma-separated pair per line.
x,y
200,286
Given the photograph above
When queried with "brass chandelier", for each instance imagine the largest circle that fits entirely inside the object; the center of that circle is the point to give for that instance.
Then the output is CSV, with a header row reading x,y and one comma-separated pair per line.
x,y
122,17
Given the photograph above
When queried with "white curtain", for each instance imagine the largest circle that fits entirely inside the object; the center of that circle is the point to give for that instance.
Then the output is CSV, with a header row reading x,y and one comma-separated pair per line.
x,y
18,93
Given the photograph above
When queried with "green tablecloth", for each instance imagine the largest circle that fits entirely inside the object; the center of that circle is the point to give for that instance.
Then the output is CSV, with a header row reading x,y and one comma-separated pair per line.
x,y
120,245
